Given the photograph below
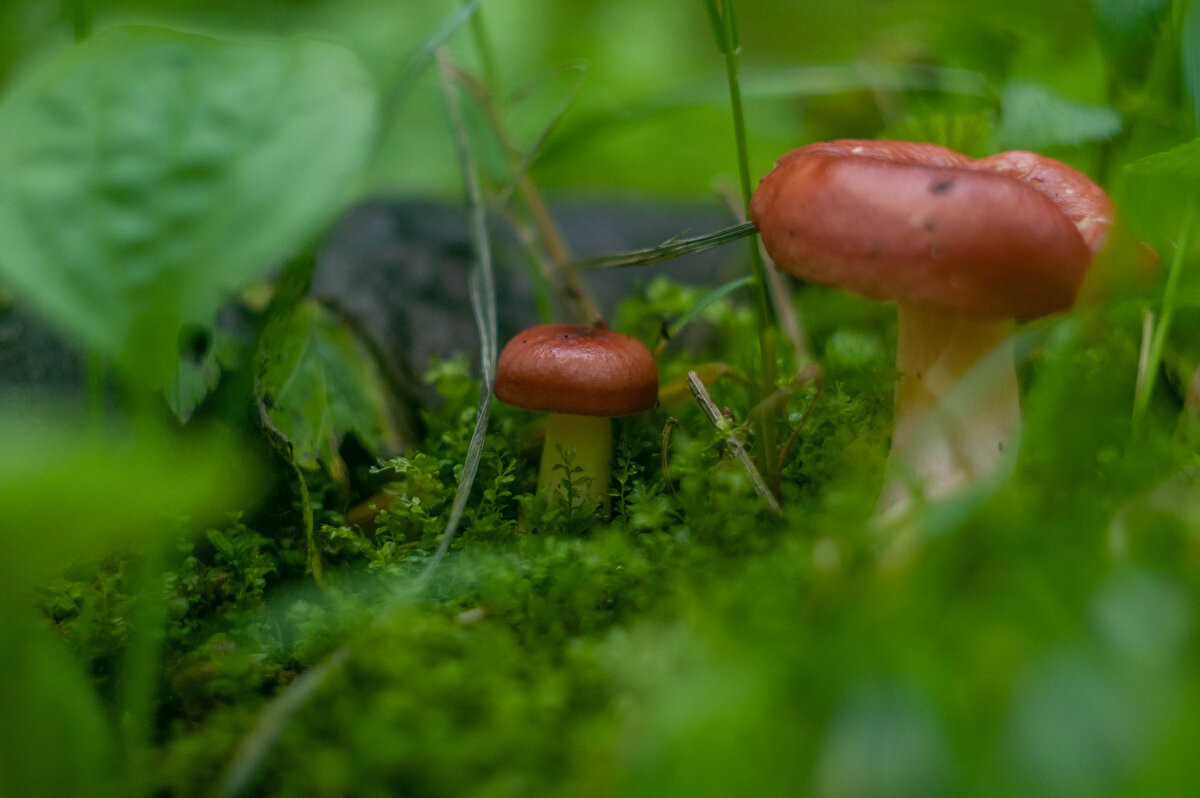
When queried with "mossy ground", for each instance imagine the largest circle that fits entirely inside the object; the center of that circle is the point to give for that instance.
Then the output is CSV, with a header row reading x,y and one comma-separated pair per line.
x,y
1035,637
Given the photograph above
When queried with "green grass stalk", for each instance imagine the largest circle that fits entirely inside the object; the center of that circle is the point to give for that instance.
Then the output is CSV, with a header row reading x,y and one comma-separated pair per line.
x,y
725,29
487,54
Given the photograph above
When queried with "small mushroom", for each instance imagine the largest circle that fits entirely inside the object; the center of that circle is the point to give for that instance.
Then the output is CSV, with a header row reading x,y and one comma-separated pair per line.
x,y
583,377
963,247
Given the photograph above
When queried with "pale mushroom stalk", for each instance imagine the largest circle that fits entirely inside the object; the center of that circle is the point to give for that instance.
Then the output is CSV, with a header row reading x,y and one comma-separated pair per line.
x,y
590,438
957,407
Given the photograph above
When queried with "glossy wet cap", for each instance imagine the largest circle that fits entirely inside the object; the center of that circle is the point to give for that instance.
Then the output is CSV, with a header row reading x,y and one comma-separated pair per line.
x,y
577,370
1008,235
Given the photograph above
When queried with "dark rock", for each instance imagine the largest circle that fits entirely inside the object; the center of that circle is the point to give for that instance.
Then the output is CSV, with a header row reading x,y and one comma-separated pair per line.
x,y
398,270
38,367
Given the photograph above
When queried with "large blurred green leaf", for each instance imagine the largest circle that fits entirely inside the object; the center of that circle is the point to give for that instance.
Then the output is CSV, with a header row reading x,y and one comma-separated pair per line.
x,y
1035,117
67,493
53,735
146,173
319,383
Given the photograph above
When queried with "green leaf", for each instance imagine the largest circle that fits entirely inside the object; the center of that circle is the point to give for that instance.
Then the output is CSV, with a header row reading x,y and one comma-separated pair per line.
x,y
1155,191
56,741
1035,117
190,383
320,383
221,544
148,173
193,378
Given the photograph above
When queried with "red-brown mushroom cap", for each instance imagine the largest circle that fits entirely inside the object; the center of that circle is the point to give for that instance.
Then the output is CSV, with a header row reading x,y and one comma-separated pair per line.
x,y
1008,235
577,370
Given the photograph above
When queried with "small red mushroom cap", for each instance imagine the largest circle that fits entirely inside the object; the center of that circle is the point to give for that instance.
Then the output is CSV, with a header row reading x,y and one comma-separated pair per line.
x,y
577,370
1010,235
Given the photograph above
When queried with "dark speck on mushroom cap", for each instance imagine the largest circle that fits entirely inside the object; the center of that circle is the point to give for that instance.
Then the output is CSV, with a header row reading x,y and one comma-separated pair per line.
x,y
578,370
1009,235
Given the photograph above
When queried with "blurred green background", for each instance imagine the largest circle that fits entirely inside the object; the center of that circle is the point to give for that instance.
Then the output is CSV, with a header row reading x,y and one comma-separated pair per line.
x,y
652,113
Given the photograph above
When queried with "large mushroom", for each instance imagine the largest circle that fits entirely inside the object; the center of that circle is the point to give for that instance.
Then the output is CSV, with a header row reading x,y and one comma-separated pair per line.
x,y
583,377
963,247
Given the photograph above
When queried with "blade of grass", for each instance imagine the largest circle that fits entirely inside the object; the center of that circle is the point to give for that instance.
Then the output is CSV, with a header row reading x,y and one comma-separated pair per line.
x,y
695,310
1145,386
140,669
483,305
483,44
425,53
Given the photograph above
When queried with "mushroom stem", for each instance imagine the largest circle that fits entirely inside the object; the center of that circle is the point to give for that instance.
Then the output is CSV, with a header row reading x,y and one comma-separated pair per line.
x,y
591,439
957,407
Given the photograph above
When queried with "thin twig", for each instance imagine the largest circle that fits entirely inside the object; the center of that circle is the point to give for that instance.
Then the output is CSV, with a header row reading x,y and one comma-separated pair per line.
x,y
735,444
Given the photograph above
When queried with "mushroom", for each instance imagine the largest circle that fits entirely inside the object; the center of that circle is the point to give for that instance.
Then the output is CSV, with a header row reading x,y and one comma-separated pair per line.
x,y
963,247
583,377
